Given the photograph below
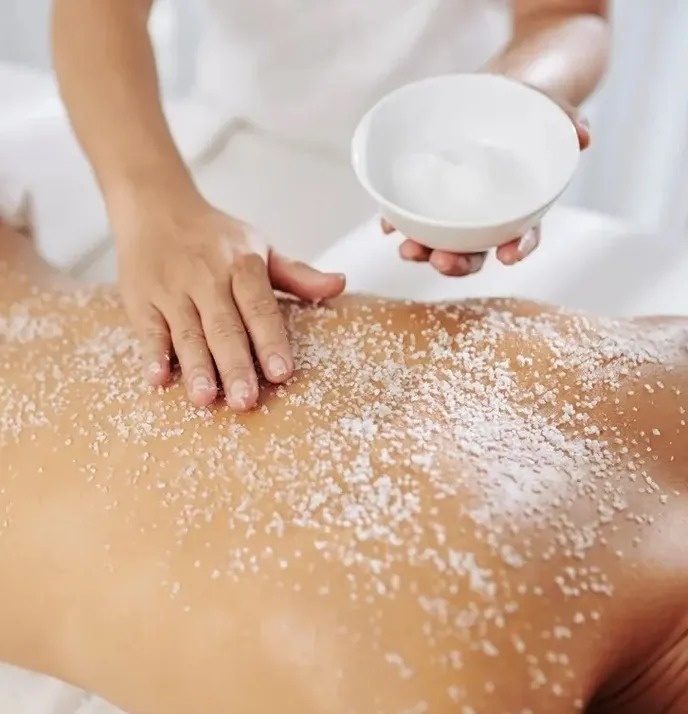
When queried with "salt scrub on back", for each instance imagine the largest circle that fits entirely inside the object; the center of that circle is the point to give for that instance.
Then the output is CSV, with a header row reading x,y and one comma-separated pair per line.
x,y
474,184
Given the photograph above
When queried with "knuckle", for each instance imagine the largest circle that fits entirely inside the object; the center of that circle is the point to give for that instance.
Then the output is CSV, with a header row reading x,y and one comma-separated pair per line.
x,y
191,336
249,262
218,282
155,333
226,326
263,307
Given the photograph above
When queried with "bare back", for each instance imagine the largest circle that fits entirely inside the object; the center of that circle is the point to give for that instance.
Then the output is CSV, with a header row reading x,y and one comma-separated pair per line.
x,y
456,502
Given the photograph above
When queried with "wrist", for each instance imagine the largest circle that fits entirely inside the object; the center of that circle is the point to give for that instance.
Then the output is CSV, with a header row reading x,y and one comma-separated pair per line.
x,y
145,192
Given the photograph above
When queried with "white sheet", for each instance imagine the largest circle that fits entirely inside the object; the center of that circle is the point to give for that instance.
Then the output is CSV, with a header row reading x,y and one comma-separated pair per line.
x,y
27,693
586,260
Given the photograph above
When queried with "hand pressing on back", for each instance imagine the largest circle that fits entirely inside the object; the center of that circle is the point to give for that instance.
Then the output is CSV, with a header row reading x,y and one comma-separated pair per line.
x,y
200,285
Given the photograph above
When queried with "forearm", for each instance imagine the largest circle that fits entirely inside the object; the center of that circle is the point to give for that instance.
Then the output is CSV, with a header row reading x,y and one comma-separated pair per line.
x,y
107,75
564,55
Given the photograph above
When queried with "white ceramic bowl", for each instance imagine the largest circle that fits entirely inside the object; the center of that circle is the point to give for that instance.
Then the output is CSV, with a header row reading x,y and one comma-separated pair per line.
x,y
465,162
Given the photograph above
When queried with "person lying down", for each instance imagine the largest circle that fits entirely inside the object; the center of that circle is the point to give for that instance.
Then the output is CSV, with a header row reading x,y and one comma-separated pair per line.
x,y
473,507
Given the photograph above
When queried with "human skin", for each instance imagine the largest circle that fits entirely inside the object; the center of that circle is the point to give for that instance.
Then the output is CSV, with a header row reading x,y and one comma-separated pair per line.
x,y
560,47
475,507
167,234
165,231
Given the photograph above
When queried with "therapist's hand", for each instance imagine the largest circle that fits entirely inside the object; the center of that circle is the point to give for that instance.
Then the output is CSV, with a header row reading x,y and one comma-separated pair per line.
x,y
455,264
201,284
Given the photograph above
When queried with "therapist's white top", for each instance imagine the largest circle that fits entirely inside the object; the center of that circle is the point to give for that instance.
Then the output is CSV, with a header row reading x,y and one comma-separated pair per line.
x,y
309,69
304,70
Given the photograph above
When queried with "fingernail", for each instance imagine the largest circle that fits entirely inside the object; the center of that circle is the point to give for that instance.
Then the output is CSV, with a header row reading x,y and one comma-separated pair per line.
x,y
201,385
239,392
526,245
154,369
583,121
277,366
475,262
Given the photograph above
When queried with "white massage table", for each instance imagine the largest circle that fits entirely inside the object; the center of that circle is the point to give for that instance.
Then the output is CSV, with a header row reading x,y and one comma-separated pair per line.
x,y
587,260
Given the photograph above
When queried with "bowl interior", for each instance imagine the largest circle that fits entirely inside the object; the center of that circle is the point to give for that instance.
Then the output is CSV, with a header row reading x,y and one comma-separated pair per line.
x,y
465,150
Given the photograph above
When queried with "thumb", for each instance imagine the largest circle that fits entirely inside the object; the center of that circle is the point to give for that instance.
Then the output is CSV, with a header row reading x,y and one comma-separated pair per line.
x,y
302,280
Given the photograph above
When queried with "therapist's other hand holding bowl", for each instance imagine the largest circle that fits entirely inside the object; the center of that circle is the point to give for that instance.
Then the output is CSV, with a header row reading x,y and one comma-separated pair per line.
x,y
460,164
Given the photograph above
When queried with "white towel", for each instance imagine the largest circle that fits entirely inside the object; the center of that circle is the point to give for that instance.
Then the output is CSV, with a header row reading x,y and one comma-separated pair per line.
x,y
27,693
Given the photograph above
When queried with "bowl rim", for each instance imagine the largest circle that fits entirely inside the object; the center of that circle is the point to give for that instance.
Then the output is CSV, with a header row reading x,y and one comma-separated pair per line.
x,y
361,131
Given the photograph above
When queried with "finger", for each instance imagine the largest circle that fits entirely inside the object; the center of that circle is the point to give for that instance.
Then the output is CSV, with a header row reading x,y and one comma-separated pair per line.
x,y
229,344
455,265
301,280
156,345
583,131
192,352
257,304
508,252
410,250
387,227
516,250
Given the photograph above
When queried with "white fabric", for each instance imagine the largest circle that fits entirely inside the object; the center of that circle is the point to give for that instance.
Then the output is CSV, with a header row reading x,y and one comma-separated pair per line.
x,y
23,94
302,199
309,69
299,72
289,192
44,175
608,269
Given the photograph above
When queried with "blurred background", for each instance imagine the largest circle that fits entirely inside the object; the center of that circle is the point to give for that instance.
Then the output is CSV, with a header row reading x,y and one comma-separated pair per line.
x,y
637,168
616,244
